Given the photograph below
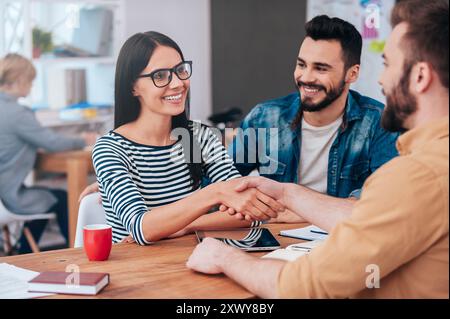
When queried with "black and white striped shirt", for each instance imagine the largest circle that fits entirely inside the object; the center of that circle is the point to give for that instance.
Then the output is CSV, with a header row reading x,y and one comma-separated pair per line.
x,y
135,178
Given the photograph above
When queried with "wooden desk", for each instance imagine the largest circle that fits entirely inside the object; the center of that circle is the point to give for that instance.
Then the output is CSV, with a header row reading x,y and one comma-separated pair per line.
x,y
155,271
76,165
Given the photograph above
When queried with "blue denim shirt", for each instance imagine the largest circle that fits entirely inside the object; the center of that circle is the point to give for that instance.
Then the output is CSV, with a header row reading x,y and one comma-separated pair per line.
x,y
359,149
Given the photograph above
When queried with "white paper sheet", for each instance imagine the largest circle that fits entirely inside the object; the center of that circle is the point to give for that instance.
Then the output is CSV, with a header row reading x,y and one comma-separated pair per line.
x,y
14,282
294,251
306,233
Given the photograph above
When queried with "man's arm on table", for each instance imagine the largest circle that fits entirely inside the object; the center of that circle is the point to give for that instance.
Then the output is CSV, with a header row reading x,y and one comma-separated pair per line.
x,y
319,209
256,275
334,270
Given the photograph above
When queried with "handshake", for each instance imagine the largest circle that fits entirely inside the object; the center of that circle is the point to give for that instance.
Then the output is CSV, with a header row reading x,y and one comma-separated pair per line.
x,y
247,198
252,198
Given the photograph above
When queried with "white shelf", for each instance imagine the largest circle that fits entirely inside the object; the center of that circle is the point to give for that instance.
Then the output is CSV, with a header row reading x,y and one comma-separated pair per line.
x,y
17,21
75,60
96,2
51,118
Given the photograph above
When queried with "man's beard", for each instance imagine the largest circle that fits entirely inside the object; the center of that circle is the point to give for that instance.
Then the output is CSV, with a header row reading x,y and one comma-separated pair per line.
x,y
306,106
400,104
330,97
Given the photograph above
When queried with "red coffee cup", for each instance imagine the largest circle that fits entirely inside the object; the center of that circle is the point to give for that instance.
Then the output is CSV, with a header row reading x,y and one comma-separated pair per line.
x,y
97,240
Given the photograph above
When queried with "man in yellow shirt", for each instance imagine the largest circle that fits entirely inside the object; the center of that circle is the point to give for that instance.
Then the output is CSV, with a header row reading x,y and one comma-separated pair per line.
x,y
395,243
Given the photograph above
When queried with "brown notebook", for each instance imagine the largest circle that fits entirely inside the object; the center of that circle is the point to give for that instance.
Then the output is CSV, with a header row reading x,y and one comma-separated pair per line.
x,y
69,282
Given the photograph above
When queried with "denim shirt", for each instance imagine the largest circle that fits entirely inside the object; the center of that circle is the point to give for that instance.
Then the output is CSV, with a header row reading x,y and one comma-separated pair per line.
x,y
360,147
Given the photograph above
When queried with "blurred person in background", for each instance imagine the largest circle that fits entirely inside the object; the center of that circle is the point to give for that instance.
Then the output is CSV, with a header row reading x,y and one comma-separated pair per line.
x,y
21,136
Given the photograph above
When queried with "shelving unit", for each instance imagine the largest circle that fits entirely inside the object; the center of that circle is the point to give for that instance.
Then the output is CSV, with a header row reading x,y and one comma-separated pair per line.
x,y
86,35
73,60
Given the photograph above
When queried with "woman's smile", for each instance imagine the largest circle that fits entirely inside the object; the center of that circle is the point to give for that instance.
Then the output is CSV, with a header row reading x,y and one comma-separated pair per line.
x,y
175,98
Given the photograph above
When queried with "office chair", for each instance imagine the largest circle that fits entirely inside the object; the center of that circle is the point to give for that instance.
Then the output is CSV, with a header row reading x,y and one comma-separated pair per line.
x,y
7,217
90,212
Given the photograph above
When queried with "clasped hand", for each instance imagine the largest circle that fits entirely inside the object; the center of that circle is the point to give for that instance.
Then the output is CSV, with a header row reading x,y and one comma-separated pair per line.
x,y
266,191
249,202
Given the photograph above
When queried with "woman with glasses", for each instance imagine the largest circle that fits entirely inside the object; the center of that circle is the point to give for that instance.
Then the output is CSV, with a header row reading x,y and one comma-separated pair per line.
x,y
150,167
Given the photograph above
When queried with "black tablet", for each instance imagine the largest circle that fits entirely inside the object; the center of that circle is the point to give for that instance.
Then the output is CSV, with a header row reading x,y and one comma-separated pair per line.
x,y
249,239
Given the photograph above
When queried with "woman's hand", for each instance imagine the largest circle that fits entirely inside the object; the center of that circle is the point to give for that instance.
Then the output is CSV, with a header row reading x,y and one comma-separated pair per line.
x,y
93,188
251,203
287,216
180,233
128,239
268,187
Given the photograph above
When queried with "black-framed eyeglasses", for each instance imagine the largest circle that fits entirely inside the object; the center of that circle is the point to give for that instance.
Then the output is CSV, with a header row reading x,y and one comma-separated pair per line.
x,y
162,77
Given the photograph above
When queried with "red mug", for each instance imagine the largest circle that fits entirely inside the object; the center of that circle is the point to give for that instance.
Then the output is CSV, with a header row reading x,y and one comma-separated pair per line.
x,y
97,241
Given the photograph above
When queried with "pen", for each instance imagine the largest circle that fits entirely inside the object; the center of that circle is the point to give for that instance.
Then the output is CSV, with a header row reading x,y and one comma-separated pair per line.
x,y
319,232
300,248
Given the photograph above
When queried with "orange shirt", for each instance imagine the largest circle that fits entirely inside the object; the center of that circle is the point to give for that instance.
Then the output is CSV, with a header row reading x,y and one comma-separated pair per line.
x,y
398,231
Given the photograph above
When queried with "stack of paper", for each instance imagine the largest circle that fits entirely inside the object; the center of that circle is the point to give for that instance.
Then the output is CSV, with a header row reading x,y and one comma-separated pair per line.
x,y
14,282
294,251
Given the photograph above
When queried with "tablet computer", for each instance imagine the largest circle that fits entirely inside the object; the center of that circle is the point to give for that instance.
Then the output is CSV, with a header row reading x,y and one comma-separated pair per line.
x,y
249,239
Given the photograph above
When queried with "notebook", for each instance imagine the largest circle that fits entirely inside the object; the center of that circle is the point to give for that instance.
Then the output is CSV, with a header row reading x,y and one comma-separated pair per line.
x,y
294,251
306,233
69,283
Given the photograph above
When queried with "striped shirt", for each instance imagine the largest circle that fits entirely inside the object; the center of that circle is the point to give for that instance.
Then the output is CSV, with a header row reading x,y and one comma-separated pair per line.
x,y
134,178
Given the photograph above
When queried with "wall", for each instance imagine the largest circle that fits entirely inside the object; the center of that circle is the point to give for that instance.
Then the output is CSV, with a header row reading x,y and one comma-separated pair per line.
x,y
255,46
357,12
188,23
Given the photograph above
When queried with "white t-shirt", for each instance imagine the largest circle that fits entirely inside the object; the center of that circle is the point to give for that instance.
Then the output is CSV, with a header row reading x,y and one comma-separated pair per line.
x,y
315,148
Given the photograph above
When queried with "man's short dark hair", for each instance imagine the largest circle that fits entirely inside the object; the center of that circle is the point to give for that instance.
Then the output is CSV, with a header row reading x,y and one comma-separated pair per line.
x,y
426,39
325,28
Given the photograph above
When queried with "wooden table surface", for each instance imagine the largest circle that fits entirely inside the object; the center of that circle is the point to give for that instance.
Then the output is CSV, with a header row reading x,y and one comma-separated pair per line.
x,y
76,165
155,271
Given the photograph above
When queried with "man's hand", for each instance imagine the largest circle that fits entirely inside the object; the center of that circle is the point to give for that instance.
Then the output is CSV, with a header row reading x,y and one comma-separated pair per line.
x,y
270,188
249,202
287,217
207,256
265,185
93,188
254,274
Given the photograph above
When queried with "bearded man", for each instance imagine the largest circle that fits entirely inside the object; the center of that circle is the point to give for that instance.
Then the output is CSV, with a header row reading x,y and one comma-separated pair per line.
x,y
325,137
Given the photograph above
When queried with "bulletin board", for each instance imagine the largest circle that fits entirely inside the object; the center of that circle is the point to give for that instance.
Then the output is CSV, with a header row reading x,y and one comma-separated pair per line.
x,y
371,18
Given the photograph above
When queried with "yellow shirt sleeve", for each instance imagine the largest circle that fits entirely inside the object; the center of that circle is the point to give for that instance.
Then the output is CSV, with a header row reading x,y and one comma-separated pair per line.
x,y
401,213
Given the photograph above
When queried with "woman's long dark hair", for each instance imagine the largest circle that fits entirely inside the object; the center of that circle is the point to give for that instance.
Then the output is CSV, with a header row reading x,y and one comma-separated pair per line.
x,y
133,58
